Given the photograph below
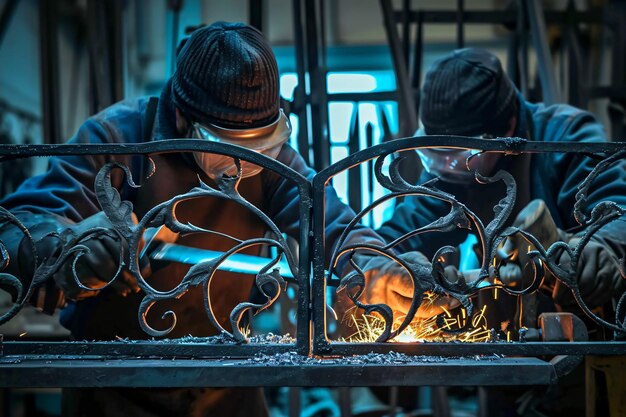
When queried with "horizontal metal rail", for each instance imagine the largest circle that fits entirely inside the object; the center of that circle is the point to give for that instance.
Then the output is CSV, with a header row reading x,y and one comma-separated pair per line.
x,y
270,372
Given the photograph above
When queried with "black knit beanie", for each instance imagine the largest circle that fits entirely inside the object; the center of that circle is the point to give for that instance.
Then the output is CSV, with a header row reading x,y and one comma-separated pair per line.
x,y
467,93
227,75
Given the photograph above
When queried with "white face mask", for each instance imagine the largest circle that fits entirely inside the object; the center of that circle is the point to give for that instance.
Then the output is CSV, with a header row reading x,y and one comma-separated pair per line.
x,y
267,140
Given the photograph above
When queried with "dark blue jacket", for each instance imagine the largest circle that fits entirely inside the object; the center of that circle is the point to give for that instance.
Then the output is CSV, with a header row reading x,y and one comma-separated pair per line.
x,y
65,194
552,177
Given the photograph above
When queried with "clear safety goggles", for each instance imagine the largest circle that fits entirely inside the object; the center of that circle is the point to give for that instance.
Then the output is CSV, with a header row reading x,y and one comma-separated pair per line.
x,y
267,140
458,165
257,139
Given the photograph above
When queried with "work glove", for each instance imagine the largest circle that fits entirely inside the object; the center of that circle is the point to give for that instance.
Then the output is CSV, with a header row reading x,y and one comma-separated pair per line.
x,y
388,282
99,265
598,275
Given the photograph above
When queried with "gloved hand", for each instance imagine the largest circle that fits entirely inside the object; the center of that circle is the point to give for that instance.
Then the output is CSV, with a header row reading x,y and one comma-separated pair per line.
x,y
388,282
535,219
598,275
96,268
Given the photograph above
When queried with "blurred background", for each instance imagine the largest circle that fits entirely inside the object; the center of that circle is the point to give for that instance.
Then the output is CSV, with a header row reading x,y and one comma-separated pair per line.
x,y
350,77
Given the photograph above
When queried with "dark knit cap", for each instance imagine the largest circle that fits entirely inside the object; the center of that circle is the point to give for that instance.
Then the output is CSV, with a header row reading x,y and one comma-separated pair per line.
x,y
467,93
227,75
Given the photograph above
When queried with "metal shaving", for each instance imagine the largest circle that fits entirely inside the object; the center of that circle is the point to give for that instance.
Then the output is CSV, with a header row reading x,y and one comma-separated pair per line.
x,y
221,339
391,358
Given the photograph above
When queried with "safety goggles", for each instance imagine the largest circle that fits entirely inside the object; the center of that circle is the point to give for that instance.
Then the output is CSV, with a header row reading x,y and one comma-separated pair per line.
x,y
458,165
257,139
267,140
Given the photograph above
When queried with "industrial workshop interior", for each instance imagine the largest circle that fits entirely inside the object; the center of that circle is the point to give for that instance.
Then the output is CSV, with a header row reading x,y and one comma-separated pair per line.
x,y
317,208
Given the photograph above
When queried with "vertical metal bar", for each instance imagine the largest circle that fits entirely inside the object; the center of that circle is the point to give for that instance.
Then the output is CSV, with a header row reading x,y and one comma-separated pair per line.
x,y
344,402
5,17
393,401
406,103
482,402
294,401
576,80
369,142
384,124
417,59
460,33
512,62
174,6
49,64
354,174
617,106
255,14
300,97
117,32
441,405
318,91
523,38
321,344
549,87
106,39
98,49
322,35
304,314
406,28
619,47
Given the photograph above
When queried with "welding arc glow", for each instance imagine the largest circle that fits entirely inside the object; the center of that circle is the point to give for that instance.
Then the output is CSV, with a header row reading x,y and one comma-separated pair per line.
x,y
370,327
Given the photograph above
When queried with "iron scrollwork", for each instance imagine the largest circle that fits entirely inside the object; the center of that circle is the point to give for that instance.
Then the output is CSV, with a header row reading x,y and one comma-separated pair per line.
x,y
432,279
128,232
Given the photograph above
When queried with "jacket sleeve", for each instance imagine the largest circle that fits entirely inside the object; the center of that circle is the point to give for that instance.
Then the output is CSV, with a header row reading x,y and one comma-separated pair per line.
x,y
283,200
610,185
51,202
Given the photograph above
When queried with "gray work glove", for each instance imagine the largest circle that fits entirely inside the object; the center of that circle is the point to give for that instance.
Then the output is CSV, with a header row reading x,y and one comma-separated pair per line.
x,y
97,267
537,220
388,282
598,276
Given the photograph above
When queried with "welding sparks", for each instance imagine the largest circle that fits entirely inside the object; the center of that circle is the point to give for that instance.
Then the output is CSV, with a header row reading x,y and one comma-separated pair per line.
x,y
370,327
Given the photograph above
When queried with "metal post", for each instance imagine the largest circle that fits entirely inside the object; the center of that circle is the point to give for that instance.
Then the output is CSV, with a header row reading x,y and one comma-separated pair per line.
x,y
617,105
460,34
175,7
354,174
106,52
5,17
255,13
406,104
317,78
549,87
576,79
406,28
300,98
417,58
117,32
49,64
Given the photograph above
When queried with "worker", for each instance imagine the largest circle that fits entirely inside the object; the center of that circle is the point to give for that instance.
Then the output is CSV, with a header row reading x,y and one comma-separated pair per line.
x,y
466,93
225,88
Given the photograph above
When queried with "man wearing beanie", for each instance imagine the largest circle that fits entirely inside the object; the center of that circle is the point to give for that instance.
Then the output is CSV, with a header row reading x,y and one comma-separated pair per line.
x,y
225,88
467,93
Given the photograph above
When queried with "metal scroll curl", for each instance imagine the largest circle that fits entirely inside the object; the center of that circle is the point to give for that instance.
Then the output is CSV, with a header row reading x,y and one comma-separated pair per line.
x,y
164,215
72,248
431,278
491,237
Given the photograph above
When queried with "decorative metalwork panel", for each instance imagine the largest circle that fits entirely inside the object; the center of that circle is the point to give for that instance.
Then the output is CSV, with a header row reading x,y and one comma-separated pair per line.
x,y
128,233
428,280
377,322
